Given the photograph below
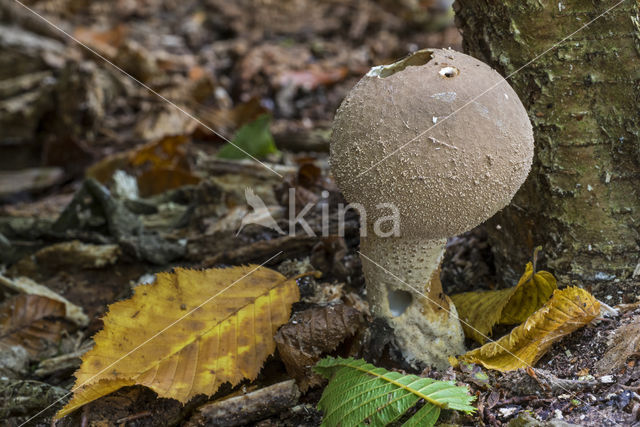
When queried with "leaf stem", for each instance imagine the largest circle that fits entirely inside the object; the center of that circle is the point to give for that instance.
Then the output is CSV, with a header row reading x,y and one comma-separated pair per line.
x,y
442,405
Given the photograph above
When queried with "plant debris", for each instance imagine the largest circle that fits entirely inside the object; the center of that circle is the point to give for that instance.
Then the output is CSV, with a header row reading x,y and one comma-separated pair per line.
x,y
224,342
568,310
105,188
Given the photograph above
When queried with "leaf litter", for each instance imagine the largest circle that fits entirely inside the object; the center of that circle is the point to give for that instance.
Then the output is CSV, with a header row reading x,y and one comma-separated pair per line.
x,y
122,188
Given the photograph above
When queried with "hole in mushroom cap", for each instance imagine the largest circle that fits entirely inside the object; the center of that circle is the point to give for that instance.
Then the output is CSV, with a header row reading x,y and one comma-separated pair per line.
x,y
418,58
398,302
448,72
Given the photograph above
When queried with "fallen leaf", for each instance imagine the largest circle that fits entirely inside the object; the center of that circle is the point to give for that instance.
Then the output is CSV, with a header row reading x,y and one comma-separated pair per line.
x,y
163,153
360,394
206,346
76,254
226,120
312,333
167,152
568,310
159,166
31,321
481,310
158,180
33,179
312,78
104,169
309,175
254,138
623,343
583,372
24,285
107,42
162,121
48,207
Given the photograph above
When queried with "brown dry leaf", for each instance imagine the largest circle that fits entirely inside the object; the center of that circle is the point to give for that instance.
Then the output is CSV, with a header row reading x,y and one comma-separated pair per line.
x,y
481,310
567,310
48,207
311,334
224,341
624,343
24,285
162,121
164,154
32,321
158,180
106,42
32,179
313,77
226,120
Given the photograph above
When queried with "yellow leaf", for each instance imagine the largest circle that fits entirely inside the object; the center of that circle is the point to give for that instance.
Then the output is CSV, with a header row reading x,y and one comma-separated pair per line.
x,y
225,340
569,309
480,311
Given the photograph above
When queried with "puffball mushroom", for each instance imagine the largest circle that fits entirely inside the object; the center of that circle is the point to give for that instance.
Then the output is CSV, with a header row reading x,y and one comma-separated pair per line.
x,y
444,139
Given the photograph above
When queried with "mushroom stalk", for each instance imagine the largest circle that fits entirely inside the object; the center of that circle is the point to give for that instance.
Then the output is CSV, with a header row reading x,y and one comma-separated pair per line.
x,y
392,147
403,286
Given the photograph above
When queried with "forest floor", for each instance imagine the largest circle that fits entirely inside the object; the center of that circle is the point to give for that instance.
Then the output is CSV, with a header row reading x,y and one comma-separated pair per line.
x,y
102,110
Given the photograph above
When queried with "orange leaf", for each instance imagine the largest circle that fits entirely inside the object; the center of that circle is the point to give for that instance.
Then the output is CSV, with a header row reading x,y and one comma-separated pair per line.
x,y
166,152
156,181
158,163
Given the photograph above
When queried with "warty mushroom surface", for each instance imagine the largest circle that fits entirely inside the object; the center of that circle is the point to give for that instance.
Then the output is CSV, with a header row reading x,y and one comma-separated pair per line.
x,y
444,139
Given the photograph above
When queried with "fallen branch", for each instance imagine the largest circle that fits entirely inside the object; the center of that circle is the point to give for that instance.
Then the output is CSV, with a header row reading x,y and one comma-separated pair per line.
x,y
251,407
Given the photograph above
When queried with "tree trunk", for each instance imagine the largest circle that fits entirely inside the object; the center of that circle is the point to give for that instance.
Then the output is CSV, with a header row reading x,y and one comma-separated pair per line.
x,y
582,199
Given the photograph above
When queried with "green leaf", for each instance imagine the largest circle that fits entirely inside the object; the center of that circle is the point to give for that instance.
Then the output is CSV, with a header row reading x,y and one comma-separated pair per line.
x,y
359,392
254,138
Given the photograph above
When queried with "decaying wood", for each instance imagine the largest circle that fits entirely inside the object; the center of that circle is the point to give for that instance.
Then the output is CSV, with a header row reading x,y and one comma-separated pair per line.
x,y
251,407
532,381
69,361
624,343
215,166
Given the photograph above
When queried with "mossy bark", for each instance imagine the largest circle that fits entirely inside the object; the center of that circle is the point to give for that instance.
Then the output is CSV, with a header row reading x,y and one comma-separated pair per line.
x,y
582,198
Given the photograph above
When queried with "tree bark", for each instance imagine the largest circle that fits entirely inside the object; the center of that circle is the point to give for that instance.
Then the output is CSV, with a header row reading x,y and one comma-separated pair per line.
x,y
581,201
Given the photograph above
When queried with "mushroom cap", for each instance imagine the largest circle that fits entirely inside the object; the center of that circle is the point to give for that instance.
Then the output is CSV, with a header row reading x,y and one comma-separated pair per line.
x,y
458,140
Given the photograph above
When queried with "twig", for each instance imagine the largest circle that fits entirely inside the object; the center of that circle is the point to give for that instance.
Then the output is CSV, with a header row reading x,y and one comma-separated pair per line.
x,y
250,407
133,417
516,400
84,421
